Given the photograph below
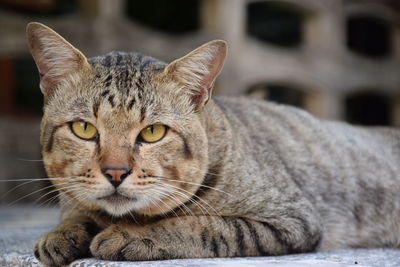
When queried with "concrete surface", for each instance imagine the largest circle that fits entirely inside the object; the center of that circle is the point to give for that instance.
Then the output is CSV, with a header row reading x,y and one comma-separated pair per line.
x,y
21,225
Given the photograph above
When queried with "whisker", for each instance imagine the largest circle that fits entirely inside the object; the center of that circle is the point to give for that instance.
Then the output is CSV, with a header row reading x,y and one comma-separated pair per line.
x,y
49,201
196,202
14,188
152,200
82,195
155,190
56,189
36,191
65,189
76,197
180,204
75,202
33,160
72,188
27,195
184,196
133,217
158,206
40,179
191,183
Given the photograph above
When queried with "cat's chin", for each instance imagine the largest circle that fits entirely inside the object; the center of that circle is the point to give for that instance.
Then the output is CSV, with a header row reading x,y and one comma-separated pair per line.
x,y
119,205
118,198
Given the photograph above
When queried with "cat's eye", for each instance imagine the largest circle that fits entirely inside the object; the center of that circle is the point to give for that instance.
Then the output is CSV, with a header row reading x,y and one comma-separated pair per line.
x,y
153,133
84,130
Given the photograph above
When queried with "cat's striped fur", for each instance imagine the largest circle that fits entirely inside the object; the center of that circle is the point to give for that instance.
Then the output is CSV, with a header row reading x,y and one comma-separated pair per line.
x,y
232,176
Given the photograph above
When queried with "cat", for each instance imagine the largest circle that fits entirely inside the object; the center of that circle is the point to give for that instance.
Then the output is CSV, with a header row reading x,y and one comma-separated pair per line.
x,y
149,167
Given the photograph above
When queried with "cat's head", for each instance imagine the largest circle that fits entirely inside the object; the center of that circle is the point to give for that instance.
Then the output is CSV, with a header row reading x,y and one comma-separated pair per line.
x,y
124,129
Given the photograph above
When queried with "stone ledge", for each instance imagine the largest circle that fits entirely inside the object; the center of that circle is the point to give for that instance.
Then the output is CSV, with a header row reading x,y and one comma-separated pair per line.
x,y
21,225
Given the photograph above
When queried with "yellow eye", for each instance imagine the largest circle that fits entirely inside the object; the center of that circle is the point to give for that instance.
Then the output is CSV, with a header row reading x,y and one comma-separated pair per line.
x,y
84,130
153,133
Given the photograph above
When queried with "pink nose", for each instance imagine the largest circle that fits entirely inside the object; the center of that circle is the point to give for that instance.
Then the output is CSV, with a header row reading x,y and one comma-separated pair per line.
x,y
116,175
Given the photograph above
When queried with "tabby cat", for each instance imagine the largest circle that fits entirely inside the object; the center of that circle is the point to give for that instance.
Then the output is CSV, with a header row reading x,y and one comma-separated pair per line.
x,y
149,167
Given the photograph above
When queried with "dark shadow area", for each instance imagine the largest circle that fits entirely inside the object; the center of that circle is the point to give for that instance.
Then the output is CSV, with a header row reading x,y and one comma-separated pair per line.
x,y
275,22
369,36
39,8
278,93
20,94
368,108
28,97
174,16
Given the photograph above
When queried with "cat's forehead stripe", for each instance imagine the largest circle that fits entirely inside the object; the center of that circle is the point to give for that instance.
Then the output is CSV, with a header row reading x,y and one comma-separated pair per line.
x,y
131,103
111,100
96,105
105,92
108,80
142,113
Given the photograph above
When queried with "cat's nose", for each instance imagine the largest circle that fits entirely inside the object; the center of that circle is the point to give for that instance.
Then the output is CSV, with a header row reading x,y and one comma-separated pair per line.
x,y
116,175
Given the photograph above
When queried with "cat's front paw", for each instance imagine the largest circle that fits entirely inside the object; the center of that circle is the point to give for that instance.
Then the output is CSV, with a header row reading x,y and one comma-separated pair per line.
x,y
65,244
117,243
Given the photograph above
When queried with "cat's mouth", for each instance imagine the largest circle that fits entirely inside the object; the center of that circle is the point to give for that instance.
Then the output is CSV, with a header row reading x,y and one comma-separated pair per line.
x,y
116,198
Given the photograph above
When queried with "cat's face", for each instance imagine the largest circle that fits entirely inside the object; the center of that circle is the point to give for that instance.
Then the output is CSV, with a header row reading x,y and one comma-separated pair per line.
x,y
124,130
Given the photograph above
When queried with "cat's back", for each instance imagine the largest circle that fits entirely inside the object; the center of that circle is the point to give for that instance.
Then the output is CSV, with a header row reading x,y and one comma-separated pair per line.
x,y
321,156
269,120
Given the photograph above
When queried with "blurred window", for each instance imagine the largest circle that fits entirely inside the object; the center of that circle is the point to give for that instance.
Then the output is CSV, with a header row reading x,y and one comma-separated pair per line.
x,y
368,108
42,7
278,93
173,16
369,36
275,22
28,97
20,87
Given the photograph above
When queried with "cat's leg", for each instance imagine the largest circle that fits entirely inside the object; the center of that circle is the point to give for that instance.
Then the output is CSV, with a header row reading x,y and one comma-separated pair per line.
x,y
67,242
204,236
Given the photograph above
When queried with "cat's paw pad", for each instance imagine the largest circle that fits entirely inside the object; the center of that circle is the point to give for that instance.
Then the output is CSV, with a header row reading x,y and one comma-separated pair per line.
x,y
64,244
116,244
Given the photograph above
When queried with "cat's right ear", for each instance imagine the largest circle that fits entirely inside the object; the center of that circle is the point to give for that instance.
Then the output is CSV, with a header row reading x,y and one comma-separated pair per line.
x,y
55,58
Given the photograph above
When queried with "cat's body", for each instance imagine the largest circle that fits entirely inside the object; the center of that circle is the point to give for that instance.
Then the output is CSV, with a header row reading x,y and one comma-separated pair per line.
x,y
349,174
224,177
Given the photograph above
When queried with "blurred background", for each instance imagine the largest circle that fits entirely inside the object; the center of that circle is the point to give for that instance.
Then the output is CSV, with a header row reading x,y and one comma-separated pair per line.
x,y
338,59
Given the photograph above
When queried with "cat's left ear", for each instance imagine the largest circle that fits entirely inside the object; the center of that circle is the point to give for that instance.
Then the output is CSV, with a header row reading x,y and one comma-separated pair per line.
x,y
198,70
